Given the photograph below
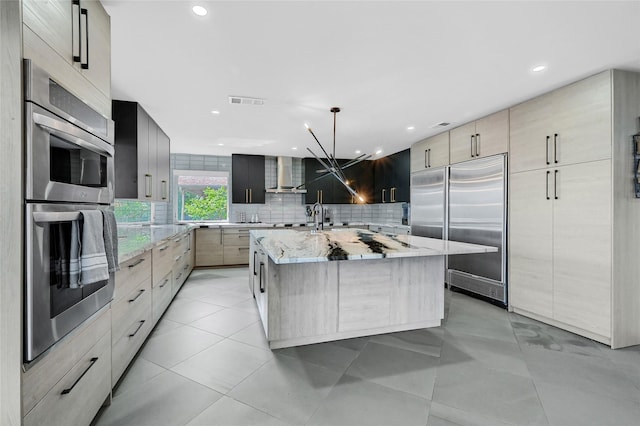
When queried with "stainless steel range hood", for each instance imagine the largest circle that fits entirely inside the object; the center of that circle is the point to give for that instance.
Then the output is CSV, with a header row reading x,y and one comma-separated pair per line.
x,y
285,178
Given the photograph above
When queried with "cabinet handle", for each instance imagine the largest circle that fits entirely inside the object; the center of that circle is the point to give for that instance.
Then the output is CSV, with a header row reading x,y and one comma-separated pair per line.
x,y
547,185
246,196
255,253
384,191
393,195
148,184
164,283
546,150
136,263
262,289
179,275
555,148
477,144
85,12
426,158
137,295
555,185
163,248
250,195
429,157
76,58
137,329
185,267
472,137
68,390
321,196
164,190
177,259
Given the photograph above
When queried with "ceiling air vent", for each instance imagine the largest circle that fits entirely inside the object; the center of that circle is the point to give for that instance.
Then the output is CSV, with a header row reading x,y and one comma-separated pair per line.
x,y
441,124
243,100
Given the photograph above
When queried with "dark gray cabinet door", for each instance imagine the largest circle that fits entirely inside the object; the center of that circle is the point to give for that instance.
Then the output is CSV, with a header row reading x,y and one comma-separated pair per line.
x,y
247,179
392,177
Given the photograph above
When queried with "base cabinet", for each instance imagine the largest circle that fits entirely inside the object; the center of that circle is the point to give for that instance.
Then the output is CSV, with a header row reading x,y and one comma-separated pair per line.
x,y
209,247
71,383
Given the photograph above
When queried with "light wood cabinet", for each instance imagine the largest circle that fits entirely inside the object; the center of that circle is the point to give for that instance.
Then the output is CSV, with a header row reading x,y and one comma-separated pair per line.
x,y
161,296
430,152
209,247
80,362
568,126
74,40
236,246
481,138
572,235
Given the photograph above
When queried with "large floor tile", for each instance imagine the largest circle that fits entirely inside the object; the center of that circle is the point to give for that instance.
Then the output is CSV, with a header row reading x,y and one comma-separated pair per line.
x,y
186,311
427,340
489,393
437,421
223,365
248,305
253,335
478,318
140,371
355,401
532,334
567,406
399,369
227,299
330,355
226,322
287,388
165,326
450,416
579,372
176,346
168,399
229,412
494,354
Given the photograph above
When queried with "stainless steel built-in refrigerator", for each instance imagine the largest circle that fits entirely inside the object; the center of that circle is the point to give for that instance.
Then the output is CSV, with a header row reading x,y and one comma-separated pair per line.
x,y
468,204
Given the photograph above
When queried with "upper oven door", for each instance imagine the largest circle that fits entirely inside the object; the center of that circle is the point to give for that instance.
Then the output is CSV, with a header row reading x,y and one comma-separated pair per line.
x,y
64,162
41,89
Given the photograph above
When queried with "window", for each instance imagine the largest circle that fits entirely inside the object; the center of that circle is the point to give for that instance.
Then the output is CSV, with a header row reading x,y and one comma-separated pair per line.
x,y
201,196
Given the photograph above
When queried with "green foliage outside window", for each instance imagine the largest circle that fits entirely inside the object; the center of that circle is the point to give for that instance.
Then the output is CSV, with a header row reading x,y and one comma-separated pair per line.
x,y
211,205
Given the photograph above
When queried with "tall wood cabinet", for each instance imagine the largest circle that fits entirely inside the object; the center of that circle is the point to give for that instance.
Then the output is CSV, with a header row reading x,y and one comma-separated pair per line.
x,y
73,40
141,154
573,232
481,138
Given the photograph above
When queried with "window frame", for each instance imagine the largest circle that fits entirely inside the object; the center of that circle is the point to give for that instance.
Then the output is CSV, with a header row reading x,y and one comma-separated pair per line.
x,y
213,173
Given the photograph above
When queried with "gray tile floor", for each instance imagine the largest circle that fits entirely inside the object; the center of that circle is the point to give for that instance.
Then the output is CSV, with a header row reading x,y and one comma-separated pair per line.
x,y
207,363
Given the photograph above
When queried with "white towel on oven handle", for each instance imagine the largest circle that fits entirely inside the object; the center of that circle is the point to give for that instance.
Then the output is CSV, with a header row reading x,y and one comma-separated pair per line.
x,y
93,259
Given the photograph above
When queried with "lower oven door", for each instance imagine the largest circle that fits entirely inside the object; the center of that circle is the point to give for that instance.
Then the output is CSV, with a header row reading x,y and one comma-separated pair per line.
x,y
52,308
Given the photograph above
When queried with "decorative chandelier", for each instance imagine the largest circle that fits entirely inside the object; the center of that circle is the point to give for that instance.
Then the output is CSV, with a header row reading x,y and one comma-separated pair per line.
x,y
330,164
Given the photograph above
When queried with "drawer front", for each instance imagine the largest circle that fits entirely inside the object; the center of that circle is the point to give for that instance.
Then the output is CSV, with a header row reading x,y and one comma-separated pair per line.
x,y
126,347
161,295
129,309
179,276
161,256
61,359
132,273
78,396
235,237
236,255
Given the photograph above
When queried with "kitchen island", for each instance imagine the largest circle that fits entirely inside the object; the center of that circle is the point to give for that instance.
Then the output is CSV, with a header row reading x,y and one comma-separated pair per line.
x,y
339,284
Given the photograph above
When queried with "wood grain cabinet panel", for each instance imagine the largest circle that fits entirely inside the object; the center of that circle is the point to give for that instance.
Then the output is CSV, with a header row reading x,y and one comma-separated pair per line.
x,y
481,138
430,153
209,247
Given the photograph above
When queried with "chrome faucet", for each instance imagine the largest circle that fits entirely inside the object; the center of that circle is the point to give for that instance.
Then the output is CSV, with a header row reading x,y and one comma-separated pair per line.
x,y
317,217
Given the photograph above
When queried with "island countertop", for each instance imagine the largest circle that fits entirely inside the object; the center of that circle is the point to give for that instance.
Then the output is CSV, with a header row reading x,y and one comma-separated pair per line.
x,y
288,246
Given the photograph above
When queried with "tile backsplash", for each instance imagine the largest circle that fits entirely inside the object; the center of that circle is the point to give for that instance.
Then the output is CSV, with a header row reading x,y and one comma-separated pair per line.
x,y
278,208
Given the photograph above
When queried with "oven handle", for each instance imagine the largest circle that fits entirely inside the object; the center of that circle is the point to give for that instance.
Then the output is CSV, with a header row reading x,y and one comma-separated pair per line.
x,y
67,131
45,217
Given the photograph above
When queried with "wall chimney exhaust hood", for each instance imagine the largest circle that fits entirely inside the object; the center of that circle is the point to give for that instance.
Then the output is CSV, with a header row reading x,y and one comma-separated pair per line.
x,y
285,178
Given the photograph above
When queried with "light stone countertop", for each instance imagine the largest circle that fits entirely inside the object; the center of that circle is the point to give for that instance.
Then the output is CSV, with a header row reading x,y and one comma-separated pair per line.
x,y
288,246
136,239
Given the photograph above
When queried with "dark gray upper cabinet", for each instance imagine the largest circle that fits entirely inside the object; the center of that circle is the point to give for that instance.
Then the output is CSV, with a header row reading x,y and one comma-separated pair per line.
x,y
329,190
247,179
392,177
142,168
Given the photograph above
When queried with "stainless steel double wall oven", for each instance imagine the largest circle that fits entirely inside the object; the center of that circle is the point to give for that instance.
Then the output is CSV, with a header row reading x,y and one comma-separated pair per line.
x,y
69,167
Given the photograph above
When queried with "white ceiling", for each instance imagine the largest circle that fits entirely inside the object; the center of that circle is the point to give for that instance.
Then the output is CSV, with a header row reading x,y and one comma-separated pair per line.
x,y
387,64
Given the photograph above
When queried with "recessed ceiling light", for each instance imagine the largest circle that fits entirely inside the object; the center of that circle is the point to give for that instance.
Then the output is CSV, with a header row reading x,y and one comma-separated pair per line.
x,y
215,112
358,151
220,144
378,152
539,68
294,148
410,128
199,10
